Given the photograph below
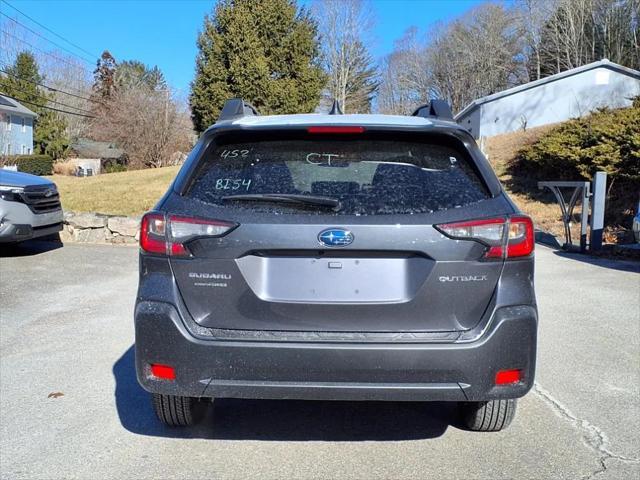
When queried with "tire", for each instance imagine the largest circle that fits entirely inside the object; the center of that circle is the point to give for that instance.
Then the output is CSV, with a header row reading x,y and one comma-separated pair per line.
x,y
175,411
491,416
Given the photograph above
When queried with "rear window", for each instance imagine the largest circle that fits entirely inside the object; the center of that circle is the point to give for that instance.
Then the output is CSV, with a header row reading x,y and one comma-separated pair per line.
x,y
368,177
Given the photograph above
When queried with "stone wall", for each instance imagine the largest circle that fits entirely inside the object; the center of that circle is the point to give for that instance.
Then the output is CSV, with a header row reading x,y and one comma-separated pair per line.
x,y
99,228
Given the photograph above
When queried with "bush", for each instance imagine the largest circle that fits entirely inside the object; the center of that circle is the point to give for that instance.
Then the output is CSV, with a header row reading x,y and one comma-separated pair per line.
x,y
64,167
34,164
606,140
114,168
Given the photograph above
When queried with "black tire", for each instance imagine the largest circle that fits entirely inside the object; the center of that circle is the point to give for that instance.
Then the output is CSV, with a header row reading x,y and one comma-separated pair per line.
x,y
176,411
491,416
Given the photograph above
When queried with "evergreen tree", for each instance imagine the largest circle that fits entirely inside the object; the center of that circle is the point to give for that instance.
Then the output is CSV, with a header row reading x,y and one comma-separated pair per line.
x,y
265,51
21,82
133,74
104,76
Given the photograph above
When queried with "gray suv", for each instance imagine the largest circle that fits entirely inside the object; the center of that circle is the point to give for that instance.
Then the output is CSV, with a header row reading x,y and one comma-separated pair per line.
x,y
29,207
336,257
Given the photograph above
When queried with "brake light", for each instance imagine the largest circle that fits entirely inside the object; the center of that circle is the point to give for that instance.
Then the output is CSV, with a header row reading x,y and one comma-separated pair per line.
x,y
164,372
505,237
506,377
168,235
335,129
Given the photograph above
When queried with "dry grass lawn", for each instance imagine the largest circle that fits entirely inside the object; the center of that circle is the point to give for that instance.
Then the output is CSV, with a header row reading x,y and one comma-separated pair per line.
x,y
122,193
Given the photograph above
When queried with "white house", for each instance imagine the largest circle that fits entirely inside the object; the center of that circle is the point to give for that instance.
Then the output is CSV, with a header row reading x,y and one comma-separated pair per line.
x,y
16,127
553,99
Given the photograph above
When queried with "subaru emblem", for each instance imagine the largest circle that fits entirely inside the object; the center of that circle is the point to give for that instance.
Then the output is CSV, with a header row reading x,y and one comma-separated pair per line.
x,y
335,237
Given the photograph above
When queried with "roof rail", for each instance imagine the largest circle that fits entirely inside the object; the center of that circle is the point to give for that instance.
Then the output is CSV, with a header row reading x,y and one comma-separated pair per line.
x,y
435,108
335,109
236,108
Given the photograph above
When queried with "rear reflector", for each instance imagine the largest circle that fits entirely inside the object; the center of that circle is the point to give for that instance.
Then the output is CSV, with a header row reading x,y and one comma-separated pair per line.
x,y
335,129
505,377
164,372
168,235
505,237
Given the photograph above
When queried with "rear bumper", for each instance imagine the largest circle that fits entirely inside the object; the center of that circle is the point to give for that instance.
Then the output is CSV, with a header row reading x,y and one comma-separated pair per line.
x,y
335,371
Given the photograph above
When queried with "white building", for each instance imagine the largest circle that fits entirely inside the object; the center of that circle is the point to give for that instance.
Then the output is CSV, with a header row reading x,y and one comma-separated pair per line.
x,y
553,99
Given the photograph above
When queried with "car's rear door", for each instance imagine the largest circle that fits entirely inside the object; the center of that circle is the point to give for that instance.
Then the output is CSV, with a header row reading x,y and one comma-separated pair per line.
x,y
375,263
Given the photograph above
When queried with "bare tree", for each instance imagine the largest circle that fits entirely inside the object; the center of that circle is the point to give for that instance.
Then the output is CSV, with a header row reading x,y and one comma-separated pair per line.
x,y
345,27
149,125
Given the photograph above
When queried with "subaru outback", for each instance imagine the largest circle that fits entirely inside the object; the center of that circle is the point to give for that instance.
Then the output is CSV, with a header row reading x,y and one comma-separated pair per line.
x,y
336,257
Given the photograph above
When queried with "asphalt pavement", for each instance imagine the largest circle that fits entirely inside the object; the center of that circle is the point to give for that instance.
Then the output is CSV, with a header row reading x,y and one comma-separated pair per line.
x,y
70,406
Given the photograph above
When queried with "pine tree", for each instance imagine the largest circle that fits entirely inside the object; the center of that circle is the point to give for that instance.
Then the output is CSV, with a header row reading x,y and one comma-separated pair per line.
x,y
264,51
22,83
104,82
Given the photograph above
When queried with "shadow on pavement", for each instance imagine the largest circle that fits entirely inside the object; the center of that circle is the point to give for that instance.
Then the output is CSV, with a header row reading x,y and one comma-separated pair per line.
x,y
283,420
614,264
30,247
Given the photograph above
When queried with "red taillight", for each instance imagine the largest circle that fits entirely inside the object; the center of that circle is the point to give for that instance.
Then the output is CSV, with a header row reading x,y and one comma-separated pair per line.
x,y
335,129
153,233
168,235
508,237
505,377
164,372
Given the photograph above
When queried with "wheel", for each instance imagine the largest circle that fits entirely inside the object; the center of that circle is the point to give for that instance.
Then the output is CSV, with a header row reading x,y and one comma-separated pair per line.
x,y
176,411
491,416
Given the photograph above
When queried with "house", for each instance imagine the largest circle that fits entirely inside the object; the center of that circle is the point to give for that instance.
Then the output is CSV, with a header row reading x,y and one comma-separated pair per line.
x,y
16,127
96,156
553,99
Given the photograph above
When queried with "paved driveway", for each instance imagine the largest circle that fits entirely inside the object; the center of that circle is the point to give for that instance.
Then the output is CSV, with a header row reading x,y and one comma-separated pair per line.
x,y
66,327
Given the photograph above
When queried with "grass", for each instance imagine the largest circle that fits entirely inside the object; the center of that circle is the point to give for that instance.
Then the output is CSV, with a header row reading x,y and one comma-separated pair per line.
x,y
122,193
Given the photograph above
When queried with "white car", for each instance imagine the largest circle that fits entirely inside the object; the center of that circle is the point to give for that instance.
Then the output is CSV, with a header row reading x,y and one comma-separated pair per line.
x,y
29,207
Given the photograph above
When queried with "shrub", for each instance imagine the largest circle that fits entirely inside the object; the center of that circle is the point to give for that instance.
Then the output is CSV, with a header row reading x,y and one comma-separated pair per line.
x,y
64,168
114,168
34,164
606,140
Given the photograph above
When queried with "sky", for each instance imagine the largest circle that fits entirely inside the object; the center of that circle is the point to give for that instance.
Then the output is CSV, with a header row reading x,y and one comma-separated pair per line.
x,y
163,32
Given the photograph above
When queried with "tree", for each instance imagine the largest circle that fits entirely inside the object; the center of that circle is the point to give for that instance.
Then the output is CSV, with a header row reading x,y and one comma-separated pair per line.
x,y
579,32
353,78
22,83
104,77
148,124
133,73
265,51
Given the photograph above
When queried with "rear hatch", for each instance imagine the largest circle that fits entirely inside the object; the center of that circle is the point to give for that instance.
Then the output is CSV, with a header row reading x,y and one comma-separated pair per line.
x,y
333,232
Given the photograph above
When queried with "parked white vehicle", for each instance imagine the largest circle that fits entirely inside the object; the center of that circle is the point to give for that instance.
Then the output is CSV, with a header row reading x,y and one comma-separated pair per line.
x,y
29,207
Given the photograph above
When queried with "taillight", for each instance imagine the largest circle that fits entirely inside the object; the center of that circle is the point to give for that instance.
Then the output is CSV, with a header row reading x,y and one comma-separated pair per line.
x,y
505,237
167,235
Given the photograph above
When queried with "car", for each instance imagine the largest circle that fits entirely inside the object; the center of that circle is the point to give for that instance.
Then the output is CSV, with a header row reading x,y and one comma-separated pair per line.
x,y
29,207
636,225
336,257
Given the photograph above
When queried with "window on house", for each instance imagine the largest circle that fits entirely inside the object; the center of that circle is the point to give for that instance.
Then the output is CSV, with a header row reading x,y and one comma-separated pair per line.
x,y
8,149
9,123
24,124
24,149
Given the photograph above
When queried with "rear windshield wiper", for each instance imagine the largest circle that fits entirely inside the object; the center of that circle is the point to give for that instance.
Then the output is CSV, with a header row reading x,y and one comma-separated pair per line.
x,y
320,201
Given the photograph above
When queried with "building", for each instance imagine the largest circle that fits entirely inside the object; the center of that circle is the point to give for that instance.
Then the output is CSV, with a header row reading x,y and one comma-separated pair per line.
x,y
92,156
16,127
553,99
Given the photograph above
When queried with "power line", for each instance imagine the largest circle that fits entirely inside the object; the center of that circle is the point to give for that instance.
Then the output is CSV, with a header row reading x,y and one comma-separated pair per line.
x,y
55,101
38,49
50,31
8,65
90,62
48,108
51,89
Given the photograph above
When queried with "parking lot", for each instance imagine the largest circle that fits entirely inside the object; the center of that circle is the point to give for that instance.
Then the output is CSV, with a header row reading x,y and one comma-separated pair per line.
x,y
71,406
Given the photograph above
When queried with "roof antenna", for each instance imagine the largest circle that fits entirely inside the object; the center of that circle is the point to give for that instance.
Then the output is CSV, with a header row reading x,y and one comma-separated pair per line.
x,y
335,109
